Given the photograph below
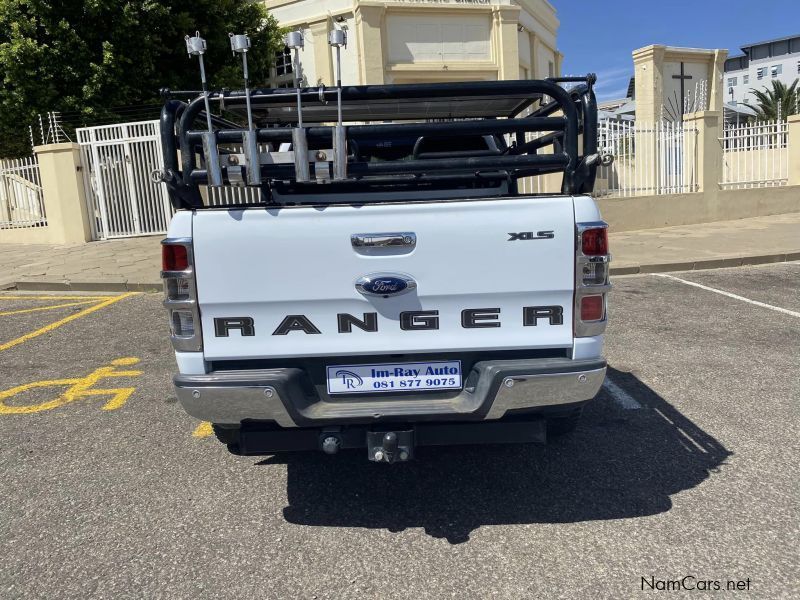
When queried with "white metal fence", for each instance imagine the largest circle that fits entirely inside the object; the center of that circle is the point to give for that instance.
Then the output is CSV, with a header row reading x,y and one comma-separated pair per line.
x,y
21,199
755,155
649,159
117,160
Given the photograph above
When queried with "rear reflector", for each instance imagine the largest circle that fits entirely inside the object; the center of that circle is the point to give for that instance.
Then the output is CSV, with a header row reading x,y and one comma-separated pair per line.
x,y
595,273
177,288
174,257
182,323
594,242
592,308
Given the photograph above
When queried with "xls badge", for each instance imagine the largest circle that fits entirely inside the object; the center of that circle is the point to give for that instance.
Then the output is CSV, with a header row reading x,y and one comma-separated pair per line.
x,y
530,235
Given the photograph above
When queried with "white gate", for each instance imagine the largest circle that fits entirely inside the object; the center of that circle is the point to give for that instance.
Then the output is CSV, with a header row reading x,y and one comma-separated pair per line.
x,y
21,199
117,162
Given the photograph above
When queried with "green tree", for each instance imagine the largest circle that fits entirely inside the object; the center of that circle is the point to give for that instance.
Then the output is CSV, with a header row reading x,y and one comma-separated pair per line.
x,y
780,100
88,56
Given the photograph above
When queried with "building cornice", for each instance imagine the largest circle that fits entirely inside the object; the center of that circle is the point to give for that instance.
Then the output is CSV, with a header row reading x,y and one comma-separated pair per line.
x,y
674,52
543,12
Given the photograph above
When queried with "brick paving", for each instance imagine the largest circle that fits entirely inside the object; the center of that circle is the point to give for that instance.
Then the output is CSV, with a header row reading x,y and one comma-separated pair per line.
x,y
122,263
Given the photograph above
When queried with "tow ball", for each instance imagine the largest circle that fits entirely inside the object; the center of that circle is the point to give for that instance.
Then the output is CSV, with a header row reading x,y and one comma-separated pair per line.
x,y
390,446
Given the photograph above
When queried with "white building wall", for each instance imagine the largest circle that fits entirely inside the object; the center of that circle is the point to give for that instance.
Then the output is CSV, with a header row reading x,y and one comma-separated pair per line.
x,y
524,48
738,84
350,75
787,65
420,38
425,40
307,63
546,60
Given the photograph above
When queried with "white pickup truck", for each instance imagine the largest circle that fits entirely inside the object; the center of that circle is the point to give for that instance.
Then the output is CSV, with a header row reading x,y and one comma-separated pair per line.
x,y
385,285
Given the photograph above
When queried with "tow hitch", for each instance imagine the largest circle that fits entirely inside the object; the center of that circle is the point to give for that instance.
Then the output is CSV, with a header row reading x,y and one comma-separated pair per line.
x,y
387,446
390,446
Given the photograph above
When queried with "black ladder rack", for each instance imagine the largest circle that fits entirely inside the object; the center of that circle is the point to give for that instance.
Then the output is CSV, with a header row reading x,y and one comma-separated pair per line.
x,y
416,111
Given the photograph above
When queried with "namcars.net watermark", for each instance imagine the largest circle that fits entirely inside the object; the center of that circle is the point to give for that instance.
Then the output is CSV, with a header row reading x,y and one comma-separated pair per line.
x,y
690,583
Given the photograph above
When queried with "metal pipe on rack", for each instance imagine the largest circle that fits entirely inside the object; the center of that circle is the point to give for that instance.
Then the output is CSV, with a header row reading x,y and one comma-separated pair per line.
x,y
196,46
445,129
294,41
241,44
337,38
427,166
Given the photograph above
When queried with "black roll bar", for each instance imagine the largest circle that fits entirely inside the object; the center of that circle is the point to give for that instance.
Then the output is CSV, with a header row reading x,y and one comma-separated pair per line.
x,y
577,110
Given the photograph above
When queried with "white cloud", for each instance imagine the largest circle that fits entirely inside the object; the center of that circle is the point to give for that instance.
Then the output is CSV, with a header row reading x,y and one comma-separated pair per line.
x,y
612,83
612,94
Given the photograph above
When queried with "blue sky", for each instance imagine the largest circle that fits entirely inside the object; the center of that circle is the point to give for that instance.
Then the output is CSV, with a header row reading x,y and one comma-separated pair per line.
x,y
597,36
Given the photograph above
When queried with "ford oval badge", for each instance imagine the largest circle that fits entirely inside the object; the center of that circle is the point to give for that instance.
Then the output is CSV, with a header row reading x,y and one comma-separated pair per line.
x,y
385,284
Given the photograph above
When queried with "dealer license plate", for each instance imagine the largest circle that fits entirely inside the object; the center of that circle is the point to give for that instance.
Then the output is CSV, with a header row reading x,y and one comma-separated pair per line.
x,y
394,377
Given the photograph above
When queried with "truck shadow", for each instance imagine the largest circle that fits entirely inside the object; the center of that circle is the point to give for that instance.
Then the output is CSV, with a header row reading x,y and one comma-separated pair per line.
x,y
617,464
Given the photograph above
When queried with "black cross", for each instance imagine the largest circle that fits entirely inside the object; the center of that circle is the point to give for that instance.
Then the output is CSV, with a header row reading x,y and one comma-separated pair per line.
x,y
683,78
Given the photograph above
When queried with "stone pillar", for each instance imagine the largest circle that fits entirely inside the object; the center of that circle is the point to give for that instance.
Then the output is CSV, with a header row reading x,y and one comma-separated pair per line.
x,y
322,53
369,23
506,21
64,194
559,62
708,153
648,64
535,74
716,83
648,67
793,151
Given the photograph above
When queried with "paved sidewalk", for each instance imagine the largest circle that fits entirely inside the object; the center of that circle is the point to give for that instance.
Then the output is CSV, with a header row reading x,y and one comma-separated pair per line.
x,y
134,263
708,245
114,265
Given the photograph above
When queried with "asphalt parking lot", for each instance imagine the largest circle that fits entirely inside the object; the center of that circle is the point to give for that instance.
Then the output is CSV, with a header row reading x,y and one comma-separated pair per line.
x,y
686,464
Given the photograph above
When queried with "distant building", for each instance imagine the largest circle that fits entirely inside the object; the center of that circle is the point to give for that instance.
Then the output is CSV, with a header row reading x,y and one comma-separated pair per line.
x,y
414,41
759,65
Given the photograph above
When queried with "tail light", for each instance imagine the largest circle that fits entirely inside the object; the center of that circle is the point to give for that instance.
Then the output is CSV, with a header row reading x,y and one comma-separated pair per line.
x,y
592,308
591,279
594,241
180,291
174,257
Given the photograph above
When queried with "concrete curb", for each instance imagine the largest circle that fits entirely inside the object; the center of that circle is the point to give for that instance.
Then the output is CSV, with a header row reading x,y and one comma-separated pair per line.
x,y
699,265
130,286
85,286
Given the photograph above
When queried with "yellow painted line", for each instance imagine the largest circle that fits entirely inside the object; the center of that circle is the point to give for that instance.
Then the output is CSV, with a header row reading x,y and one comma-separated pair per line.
x,y
48,297
203,430
79,387
47,328
54,307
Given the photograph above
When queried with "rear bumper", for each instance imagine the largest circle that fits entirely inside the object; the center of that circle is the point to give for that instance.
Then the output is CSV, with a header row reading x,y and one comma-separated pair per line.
x,y
287,397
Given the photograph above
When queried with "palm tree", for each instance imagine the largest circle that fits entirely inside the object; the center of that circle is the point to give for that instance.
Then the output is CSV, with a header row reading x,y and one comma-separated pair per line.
x,y
781,100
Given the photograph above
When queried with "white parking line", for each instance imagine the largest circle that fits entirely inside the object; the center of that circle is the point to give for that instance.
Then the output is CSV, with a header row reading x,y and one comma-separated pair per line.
x,y
729,295
620,396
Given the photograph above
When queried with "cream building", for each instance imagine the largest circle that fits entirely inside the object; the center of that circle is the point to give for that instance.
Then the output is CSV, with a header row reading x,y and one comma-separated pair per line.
x,y
413,41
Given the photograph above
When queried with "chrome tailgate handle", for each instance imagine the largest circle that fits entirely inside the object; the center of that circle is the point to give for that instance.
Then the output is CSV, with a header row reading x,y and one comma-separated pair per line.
x,y
383,240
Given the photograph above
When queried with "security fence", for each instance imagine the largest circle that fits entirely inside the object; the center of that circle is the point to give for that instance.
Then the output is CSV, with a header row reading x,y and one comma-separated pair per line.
x,y
117,162
755,155
21,198
649,159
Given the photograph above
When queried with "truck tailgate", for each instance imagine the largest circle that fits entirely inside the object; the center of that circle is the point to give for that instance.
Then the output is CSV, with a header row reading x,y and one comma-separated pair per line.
x,y
274,282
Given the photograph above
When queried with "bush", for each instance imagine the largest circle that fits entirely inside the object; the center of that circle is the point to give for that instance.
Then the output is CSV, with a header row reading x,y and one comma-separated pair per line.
x,y
86,57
